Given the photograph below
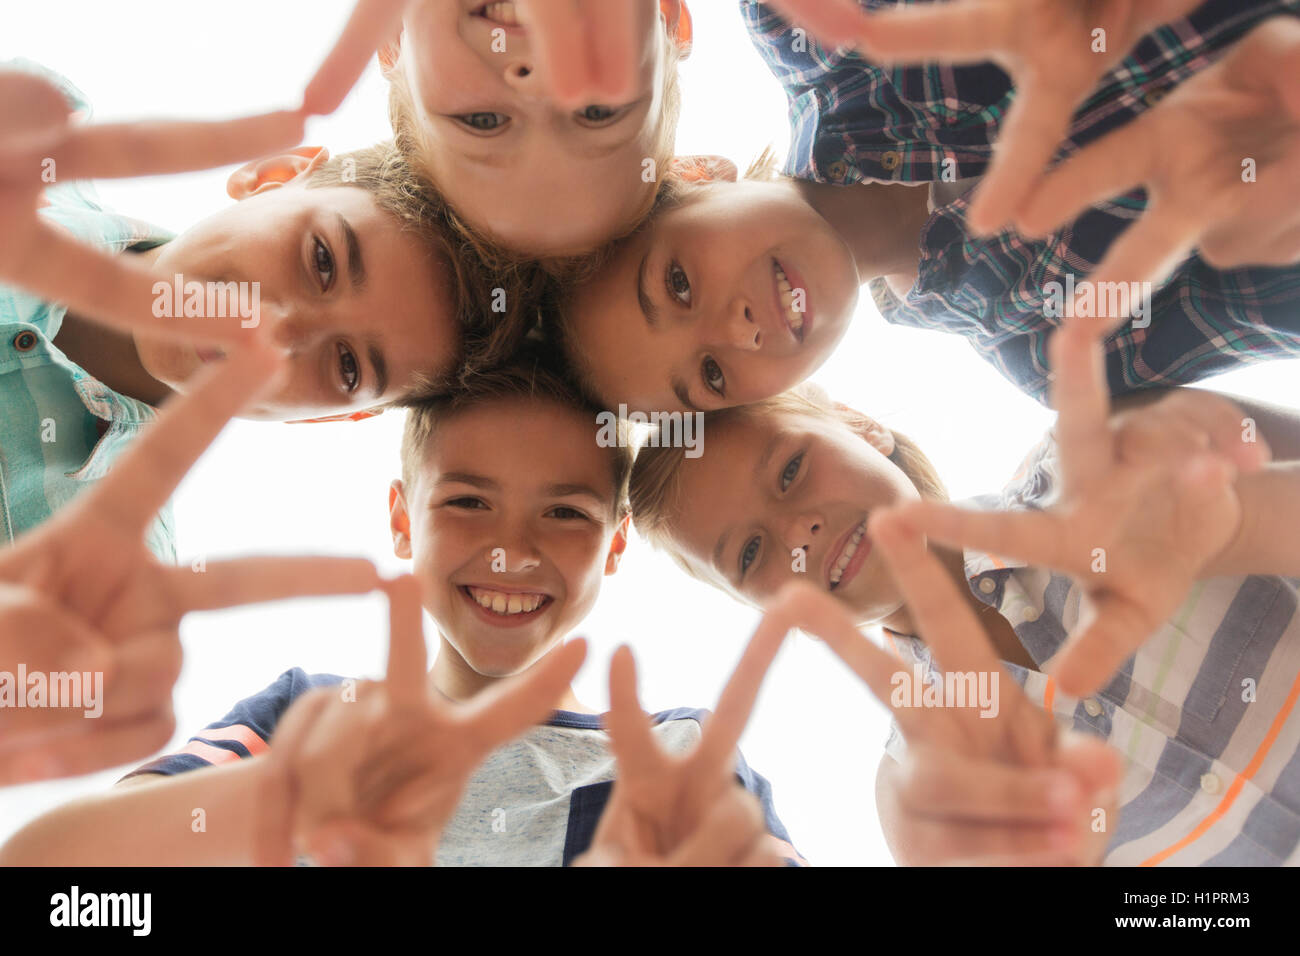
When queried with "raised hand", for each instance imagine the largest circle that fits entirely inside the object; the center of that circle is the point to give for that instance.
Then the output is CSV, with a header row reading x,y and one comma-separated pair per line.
x,y
1220,160
1006,788
39,139
1052,48
1147,503
373,779
83,592
585,49
685,810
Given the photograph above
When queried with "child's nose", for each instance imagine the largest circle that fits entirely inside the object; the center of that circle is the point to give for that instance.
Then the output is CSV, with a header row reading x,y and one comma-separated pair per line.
x,y
293,332
520,76
800,530
743,331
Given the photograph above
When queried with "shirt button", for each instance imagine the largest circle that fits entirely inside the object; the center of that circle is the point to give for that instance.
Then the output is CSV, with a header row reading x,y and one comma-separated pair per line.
x,y
1210,783
1154,97
988,585
891,160
25,341
1092,706
838,171
1029,615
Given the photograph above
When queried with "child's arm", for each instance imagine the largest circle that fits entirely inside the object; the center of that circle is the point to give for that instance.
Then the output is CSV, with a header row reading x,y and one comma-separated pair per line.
x,y
150,820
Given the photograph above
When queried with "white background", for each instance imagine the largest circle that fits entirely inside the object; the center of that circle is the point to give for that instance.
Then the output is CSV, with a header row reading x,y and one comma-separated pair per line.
x,y
322,489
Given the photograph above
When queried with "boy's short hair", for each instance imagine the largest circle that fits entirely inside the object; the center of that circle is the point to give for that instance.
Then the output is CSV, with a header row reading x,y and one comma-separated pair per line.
x,y
534,372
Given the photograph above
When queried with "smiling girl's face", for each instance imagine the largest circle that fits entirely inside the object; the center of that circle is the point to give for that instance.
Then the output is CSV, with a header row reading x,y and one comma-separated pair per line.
x,y
782,496
536,178
733,296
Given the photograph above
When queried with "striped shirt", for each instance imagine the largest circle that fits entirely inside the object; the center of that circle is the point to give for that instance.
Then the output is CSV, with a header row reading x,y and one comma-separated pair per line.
x,y
853,122
62,429
534,802
1203,714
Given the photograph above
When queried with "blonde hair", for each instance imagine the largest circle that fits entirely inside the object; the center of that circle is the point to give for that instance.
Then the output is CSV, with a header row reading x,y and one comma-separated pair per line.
x,y
656,475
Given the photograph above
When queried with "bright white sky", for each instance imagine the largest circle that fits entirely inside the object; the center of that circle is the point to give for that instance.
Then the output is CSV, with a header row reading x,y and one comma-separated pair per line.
x,y
268,488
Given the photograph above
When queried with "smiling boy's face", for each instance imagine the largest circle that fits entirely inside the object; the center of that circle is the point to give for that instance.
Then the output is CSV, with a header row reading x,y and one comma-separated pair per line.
x,y
360,305
510,524
536,178
701,309
774,485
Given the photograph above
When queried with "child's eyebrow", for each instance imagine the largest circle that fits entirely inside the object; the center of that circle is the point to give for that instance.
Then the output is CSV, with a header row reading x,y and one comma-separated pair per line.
x,y
648,308
576,490
356,266
465,478
380,365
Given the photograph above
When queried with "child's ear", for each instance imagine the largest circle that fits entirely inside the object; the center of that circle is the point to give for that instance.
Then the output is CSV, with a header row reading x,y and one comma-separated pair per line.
x,y
699,170
399,520
680,29
875,434
618,545
272,172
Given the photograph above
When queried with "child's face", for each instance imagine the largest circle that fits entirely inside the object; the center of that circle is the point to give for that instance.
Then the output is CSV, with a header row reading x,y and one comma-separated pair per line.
x,y
692,312
358,303
538,179
511,529
774,485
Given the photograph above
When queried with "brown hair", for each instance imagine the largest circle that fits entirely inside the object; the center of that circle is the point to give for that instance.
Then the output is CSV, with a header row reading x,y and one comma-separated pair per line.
x,y
534,373
655,480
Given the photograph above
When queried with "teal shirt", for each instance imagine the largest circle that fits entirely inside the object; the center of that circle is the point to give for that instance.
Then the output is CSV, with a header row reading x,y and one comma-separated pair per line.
x,y
60,428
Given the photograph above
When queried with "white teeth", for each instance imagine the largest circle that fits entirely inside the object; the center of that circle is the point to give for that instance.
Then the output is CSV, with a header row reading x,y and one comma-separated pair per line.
x,y
502,12
850,549
506,602
794,317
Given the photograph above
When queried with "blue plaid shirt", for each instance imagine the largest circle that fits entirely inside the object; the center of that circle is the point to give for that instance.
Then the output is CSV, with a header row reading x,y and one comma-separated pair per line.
x,y
852,122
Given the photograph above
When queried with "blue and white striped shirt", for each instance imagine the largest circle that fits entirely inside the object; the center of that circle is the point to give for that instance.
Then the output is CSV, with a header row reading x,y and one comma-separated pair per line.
x,y
1204,714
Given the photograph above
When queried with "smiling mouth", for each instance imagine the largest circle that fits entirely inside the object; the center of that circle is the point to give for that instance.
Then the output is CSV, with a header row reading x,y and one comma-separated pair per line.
x,y
502,12
785,301
513,605
853,549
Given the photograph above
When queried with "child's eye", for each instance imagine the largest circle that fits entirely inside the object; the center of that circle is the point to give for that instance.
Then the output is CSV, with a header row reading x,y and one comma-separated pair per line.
x,y
468,504
598,114
791,471
679,286
349,370
714,380
567,514
747,554
324,262
484,122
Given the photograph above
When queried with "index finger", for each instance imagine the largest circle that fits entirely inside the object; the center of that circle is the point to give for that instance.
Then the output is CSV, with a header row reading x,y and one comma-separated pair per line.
x,y
562,52
110,289
157,148
722,731
1081,396
834,23
631,738
372,24
147,473
950,628
408,658
970,32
